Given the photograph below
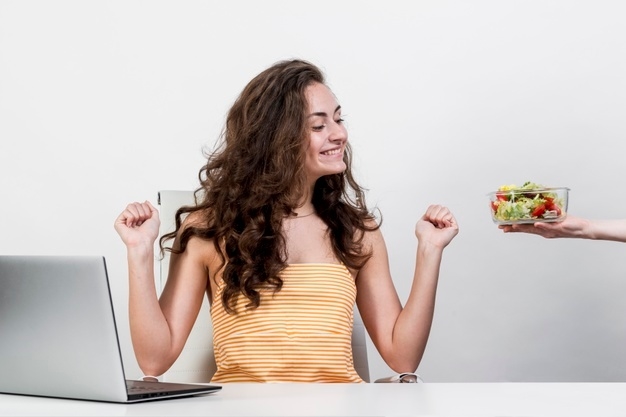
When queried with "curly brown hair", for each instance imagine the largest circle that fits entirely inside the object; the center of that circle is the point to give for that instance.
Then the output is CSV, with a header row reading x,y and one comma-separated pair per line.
x,y
255,178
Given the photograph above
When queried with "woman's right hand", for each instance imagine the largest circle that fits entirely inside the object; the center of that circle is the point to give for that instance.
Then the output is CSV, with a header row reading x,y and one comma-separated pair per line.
x,y
138,224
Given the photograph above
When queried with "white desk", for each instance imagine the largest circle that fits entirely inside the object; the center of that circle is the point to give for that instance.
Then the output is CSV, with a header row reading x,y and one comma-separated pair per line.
x,y
429,399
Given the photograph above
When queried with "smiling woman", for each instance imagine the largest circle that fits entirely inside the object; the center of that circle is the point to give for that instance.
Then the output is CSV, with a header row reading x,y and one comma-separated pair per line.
x,y
328,134
282,243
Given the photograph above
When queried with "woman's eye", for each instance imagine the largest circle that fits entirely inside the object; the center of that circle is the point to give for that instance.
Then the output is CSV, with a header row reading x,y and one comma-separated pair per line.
x,y
318,128
339,121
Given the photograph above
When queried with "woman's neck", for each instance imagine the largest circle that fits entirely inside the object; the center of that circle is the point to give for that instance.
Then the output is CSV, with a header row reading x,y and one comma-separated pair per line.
x,y
305,207
304,210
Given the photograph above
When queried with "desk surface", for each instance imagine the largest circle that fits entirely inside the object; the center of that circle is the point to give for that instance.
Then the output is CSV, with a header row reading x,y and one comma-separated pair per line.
x,y
428,399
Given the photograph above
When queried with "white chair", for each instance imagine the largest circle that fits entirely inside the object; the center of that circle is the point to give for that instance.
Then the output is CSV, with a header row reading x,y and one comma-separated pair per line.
x,y
196,362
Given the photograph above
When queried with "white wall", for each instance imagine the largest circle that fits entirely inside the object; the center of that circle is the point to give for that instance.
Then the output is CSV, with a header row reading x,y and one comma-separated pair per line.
x,y
103,103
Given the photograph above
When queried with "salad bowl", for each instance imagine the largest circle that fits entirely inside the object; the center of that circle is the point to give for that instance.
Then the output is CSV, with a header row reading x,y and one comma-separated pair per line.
x,y
530,203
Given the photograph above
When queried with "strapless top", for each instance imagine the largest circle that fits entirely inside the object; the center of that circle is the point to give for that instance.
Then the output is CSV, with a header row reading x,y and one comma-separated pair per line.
x,y
302,333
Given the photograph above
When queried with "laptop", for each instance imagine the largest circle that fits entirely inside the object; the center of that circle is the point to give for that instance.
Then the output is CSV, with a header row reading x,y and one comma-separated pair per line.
x,y
58,336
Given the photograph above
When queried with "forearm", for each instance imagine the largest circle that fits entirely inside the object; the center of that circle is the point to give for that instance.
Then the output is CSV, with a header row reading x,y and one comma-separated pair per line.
x,y
614,230
412,328
150,333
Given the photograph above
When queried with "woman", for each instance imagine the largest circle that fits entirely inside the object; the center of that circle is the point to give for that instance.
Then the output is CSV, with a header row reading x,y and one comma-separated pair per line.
x,y
283,244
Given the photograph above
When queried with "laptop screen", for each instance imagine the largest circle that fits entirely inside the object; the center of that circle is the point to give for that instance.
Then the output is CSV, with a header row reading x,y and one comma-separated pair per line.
x,y
58,329
57,324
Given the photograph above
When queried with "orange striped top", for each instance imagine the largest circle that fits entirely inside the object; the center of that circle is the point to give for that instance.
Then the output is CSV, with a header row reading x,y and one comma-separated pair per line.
x,y
302,333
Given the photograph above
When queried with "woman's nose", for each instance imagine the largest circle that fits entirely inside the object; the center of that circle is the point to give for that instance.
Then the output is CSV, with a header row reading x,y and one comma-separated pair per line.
x,y
338,133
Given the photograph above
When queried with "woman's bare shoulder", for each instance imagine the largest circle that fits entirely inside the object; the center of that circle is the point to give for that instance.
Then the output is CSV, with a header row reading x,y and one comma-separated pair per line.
x,y
372,233
194,219
203,249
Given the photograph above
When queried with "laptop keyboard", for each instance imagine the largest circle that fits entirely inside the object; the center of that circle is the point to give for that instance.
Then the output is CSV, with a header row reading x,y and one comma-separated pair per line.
x,y
143,386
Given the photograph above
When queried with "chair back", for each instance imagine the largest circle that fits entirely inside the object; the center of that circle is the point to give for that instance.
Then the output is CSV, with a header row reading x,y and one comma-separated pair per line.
x,y
196,362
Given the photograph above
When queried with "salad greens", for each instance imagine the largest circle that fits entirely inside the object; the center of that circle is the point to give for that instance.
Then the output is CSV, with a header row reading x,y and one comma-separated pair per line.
x,y
531,201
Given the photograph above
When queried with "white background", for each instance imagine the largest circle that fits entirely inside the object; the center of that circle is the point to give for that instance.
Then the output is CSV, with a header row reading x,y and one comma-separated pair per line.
x,y
104,103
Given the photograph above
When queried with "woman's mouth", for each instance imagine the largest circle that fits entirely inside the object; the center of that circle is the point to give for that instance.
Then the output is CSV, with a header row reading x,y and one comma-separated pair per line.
x,y
332,152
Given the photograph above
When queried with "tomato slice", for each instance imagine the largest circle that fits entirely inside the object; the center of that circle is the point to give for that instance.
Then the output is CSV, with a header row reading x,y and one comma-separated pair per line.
x,y
552,206
502,196
539,210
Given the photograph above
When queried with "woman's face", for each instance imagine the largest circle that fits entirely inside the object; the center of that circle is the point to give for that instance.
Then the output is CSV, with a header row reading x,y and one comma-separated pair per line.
x,y
328,135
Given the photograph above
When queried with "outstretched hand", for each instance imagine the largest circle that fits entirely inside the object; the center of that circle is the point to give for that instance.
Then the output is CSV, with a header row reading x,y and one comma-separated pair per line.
x,y
570,227
437,226
138,224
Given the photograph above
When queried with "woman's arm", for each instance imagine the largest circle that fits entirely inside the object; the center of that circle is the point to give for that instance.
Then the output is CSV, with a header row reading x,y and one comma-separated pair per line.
x,y
400,334
574,227
159,328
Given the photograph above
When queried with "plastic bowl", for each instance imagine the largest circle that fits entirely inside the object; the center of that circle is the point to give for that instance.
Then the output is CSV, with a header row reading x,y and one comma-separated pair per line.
x,y
527,206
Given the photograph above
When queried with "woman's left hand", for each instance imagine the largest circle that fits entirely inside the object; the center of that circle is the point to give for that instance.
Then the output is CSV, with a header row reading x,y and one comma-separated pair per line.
x,y
437,226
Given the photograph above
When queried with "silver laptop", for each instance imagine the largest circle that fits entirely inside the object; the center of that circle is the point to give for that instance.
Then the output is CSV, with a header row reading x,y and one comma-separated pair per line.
x,y
58,336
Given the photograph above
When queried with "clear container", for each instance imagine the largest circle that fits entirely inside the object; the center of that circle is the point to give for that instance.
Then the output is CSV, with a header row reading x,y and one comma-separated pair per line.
x,y
527,206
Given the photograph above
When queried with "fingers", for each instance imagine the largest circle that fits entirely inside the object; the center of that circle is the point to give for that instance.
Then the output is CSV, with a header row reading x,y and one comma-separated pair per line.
x,y
517,228
136,214
539,228
512,228
440,216
546,226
